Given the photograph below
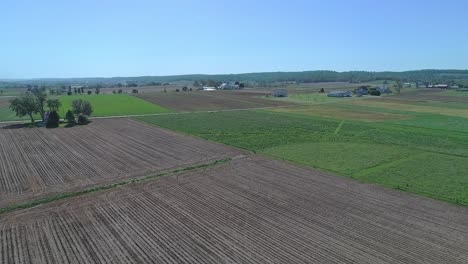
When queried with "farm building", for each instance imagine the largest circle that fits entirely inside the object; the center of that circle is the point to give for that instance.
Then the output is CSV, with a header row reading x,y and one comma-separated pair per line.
x,y
384,89
362,91
280,93
340,94
229,86
209,88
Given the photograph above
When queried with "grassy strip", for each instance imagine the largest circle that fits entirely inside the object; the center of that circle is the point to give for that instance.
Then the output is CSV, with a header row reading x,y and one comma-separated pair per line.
x,y
62,196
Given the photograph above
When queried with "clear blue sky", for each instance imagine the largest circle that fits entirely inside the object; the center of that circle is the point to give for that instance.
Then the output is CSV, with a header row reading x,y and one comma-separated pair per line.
x,y
88,38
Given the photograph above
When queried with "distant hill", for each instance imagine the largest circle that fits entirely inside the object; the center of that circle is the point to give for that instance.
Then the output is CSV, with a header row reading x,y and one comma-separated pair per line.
x,y
430,76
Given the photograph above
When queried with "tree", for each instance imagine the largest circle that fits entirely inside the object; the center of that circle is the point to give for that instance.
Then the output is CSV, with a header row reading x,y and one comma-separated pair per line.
x,y
322,90
70,117
119,91
53,120
185,88
83,119
81,107
25,105
41,98
53,104
89,92
398,86
98,90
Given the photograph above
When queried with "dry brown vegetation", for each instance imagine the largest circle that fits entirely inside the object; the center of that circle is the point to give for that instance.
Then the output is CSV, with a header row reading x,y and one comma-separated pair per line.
x,y
250,210
40,162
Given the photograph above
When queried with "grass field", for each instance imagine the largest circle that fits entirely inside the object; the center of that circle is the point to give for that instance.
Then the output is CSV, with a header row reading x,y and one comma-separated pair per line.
x,y
454,93
347,147
114,104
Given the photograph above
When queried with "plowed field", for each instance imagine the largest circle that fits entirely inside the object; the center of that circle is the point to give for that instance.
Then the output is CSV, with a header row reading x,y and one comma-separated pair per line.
x,y
39,162
250,210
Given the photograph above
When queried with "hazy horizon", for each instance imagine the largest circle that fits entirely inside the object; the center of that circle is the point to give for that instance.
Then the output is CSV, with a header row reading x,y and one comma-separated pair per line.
x,y
89,39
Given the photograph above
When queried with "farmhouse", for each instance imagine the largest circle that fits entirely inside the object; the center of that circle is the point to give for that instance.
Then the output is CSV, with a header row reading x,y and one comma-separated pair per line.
x,y
362,91
229,86
340,94
280,93
384,89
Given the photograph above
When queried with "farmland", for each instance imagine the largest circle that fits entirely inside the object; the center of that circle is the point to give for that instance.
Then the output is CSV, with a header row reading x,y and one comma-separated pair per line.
x,y
316,179
39,162
214,100
250,210
355,138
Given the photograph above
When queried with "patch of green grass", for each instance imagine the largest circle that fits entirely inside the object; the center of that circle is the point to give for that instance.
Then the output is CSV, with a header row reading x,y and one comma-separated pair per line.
x,y
342,158
113,105
439,176
6,114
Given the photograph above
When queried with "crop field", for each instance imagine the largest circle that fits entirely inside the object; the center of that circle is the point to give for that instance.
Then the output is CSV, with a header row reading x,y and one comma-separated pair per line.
x,y
210,100
346,146
114,105
433,95
39,162
309,98
454,93
334,111
250,210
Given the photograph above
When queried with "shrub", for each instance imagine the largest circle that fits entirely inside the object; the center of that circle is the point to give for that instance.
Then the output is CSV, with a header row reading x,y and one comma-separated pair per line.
x,y
69,93
89,92
374,92
177,90
70,117
83,119
322,90
119,91
53,120
185,88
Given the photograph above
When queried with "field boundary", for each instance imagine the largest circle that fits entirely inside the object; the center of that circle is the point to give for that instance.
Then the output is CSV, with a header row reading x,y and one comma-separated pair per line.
x,y
66,195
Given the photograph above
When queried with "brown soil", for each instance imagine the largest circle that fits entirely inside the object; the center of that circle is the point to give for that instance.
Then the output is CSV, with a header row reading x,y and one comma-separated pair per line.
x,y
39,162
210,100
251,210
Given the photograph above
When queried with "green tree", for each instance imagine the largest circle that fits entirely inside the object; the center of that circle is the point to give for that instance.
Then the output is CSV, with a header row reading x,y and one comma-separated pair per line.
x,y
25,105
70,117
53,104
53,120
398,86
41,98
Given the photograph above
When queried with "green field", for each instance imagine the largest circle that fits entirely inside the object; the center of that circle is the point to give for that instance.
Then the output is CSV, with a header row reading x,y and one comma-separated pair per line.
x,y
385,153
103,105
114,104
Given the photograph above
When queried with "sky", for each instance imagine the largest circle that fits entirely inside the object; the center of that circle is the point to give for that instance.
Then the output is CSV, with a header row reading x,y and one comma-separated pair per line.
x,y
107,38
